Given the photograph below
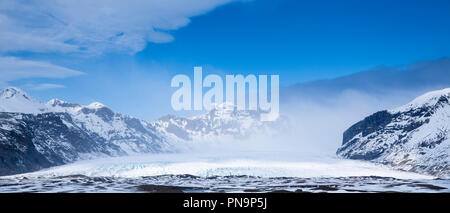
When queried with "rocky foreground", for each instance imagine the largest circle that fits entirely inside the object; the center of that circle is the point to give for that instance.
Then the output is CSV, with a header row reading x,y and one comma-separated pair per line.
x,y
222,184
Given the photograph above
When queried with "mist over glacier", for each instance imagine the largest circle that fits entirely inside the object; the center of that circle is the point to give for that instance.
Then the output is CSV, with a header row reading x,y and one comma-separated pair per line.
x,y
318,112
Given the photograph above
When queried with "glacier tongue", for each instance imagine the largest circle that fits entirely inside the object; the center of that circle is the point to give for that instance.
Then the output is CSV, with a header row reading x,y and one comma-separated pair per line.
x,y
262,164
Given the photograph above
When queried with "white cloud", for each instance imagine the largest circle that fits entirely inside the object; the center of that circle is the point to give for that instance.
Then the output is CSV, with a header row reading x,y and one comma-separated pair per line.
x,y
94,27
12,68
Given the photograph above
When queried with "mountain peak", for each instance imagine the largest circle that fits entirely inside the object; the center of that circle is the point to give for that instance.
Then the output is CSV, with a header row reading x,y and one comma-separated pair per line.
x,y
11,92
55,102
60,105
432,97
95,105
15,100
428,99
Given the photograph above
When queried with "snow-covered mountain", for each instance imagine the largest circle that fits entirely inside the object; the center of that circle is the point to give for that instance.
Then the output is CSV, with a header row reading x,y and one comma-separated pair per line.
x,y
15,100
223,120
130,134
414,137
35,135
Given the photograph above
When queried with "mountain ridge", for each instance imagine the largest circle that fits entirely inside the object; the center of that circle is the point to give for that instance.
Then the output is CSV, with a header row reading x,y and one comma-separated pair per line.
x,y
413,137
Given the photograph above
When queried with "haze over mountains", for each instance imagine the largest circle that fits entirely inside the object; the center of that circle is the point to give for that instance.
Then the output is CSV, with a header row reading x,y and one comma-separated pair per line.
x,y
324,109
413,138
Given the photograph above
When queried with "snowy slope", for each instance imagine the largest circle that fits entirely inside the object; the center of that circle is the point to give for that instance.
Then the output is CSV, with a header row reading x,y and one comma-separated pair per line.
x,y
15,100
130,134
413,137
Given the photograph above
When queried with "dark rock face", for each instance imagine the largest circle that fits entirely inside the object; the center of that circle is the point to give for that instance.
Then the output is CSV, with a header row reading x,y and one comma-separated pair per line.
x,y
32,142
20,155
367,126
414,137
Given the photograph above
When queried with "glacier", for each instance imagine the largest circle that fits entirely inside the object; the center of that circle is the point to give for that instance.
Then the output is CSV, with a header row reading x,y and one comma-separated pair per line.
x,y
207,165
221,173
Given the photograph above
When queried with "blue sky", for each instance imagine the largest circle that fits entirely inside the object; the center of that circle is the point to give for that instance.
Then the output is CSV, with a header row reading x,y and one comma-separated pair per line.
x,y
125,56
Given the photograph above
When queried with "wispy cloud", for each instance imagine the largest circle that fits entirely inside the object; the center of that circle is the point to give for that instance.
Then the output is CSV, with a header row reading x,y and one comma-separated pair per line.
x,y
12,68
46,86
94,26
